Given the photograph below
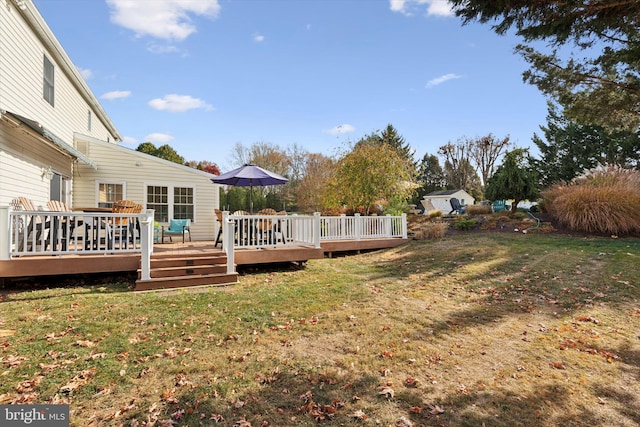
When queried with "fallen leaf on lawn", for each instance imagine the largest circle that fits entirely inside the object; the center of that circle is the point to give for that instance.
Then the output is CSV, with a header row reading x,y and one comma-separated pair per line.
x,y
404,422
85,343
82,378
6,332
94,356
387,392
435,409
411,382
11,361
359,415
557,365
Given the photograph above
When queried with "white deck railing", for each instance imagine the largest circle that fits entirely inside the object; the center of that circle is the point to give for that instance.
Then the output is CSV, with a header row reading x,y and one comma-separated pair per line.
x,y
33,233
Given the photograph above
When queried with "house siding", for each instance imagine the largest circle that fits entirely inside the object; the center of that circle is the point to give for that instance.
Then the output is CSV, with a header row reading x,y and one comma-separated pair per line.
x,y
24,41
136,171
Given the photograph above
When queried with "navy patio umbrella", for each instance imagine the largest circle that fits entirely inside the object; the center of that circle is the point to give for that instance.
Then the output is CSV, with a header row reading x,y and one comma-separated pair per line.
x,y
249,176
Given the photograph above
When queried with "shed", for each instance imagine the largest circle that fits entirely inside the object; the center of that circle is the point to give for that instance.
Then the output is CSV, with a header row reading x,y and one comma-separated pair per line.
x,y
440,200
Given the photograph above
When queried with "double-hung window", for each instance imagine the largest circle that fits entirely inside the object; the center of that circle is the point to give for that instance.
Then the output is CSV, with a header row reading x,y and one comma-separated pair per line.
x,y
48,81
109,193
171,202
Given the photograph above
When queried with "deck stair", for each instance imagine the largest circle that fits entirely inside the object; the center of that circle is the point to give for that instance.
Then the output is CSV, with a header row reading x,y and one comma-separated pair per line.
x,y
184,270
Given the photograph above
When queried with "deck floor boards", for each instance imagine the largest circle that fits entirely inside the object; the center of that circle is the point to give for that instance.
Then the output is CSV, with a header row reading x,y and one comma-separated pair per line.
x,y
30,266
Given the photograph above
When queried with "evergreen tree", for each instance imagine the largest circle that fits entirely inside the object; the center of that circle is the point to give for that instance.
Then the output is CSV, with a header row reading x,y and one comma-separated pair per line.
x,y
516,178
599,81
569,148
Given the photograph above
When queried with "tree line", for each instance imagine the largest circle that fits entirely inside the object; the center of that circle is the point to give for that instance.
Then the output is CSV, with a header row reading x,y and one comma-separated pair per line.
x,y
583,55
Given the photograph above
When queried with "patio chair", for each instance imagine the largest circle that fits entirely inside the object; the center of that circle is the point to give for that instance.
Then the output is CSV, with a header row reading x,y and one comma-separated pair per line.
x,y
456,206
177,227
498,205
36,223
244,228
122,229
61,222
219,218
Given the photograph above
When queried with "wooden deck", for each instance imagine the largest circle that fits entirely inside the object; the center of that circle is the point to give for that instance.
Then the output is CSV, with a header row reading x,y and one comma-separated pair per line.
x,y
101,263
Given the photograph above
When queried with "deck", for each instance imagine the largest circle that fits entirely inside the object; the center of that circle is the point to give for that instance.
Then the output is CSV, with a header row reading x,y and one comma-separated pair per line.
x,y
130,262
48,244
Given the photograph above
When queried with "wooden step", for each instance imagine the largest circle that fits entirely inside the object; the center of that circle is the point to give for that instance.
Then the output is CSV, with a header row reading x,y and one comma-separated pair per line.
x,y
187,270
187,261
186,281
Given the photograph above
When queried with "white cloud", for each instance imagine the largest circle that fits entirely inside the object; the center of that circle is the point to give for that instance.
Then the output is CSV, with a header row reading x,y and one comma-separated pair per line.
x,y
179,103
439,80
85,73
116,94
258,38
340,129
163,19
158,137
433,7
162,48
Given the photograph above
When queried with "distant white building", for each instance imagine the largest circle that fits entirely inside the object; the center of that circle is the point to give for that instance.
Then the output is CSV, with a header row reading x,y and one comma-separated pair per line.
x,y
441,200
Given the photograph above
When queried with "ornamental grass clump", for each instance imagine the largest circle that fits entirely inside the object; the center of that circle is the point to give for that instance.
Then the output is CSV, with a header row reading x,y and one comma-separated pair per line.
x,y
479,210
431,230
604,200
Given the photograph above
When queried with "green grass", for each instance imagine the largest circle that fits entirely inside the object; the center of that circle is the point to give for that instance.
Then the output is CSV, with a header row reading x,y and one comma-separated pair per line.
x,y
501,329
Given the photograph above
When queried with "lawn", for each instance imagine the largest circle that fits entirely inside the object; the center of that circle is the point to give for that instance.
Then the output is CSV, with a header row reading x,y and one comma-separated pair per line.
x,y
493,329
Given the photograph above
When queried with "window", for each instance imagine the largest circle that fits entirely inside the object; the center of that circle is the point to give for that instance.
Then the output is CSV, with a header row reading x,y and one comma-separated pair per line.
x,y
183,203
158,199
109,193
59,188
89,120
48,81
176,203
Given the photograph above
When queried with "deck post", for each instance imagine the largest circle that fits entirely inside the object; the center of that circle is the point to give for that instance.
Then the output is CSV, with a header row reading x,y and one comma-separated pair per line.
x,y
228,241
358,226
5,233
146,243
316,230
404,226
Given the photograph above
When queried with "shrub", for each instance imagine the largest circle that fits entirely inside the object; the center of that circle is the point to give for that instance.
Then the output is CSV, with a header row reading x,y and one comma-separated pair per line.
x,y
603,200
463,224
479,209
433,230
435,214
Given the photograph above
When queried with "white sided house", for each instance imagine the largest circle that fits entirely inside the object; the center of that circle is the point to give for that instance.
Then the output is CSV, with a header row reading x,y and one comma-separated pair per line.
x,y
170,189
441,200
57,142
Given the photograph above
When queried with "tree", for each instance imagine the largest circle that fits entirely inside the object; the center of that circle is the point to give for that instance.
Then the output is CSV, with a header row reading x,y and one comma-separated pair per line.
x,y
164,152
516,178
571,148
311,188
392,138
430,176
459,173
599,83
370,172
485,152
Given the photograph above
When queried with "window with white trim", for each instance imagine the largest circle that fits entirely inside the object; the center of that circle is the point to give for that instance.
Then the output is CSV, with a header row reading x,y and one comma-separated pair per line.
x,y
48,81
171,202
108,193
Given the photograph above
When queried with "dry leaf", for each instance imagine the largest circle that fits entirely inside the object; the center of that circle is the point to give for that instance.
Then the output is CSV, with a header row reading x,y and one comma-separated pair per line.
x,y
387,392
359,415
557,365
435,409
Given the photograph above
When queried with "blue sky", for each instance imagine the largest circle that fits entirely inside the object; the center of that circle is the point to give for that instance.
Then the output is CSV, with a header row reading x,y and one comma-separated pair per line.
x,y
202,75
